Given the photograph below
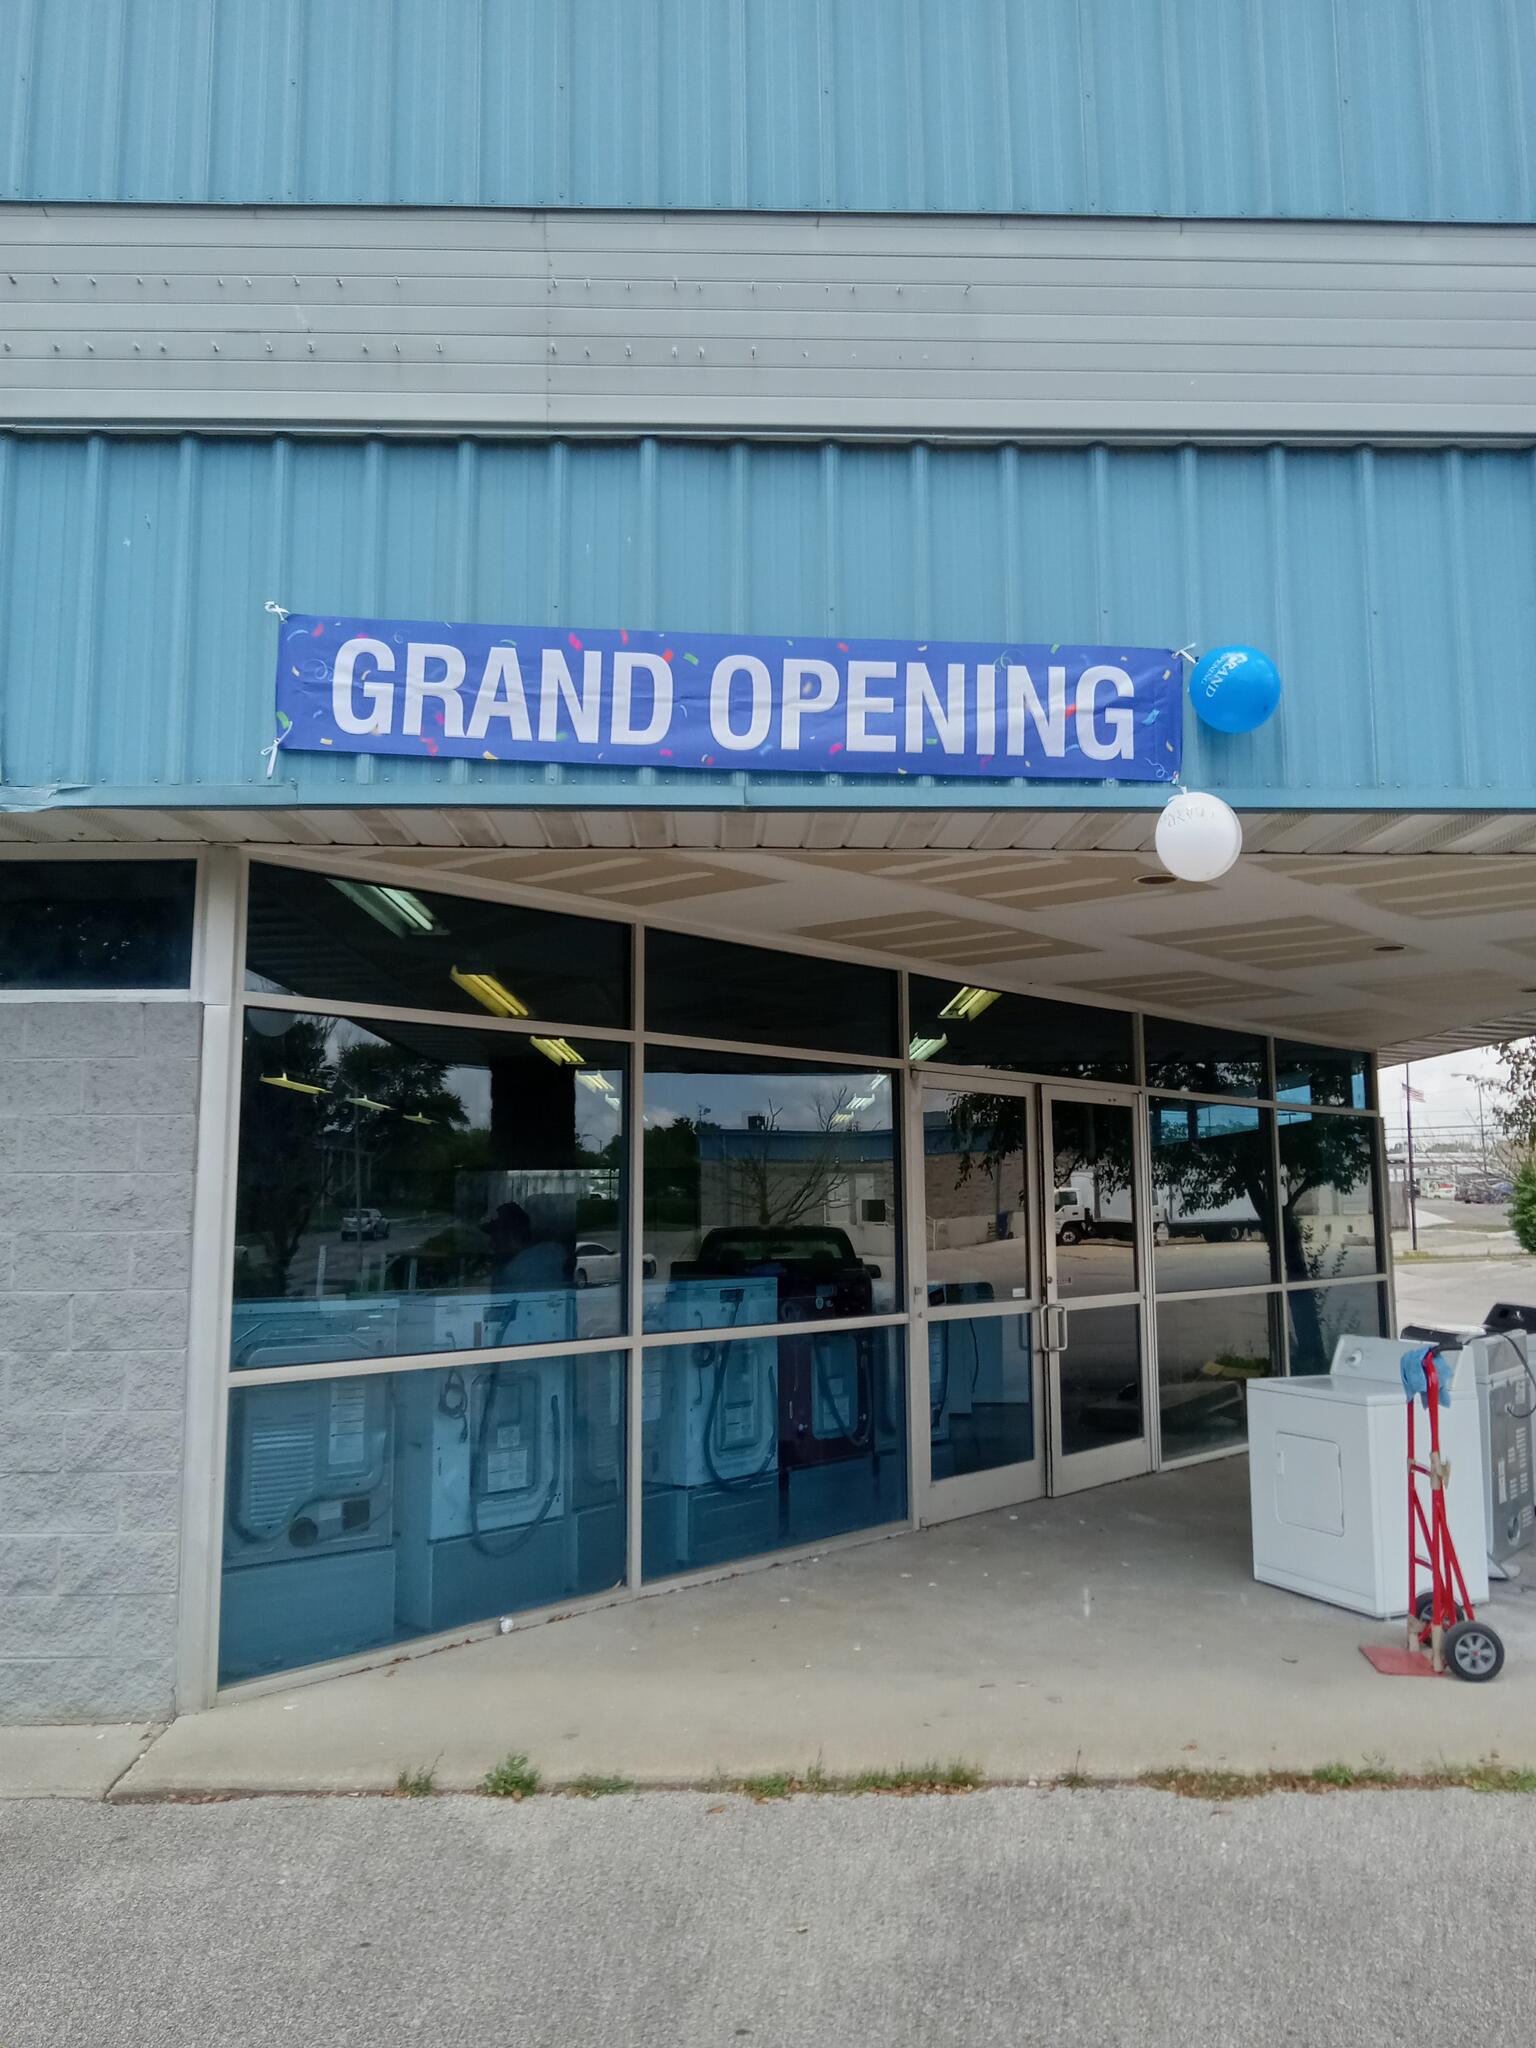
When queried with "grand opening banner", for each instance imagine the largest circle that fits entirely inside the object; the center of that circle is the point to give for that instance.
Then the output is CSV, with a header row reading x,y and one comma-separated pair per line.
x,y
615,698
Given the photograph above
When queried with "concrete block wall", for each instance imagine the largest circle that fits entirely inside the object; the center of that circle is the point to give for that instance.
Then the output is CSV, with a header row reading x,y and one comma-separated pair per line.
x,y
98,1117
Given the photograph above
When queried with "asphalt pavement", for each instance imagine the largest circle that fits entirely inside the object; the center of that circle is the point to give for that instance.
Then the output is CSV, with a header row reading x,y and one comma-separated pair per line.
x,y
1014,1917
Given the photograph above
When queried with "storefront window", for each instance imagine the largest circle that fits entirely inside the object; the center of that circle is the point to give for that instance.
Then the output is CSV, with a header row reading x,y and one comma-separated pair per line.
x,y
977,1027
703,988
1213,1196
97,924
1320,1316
1207,1354
981,1393
408,1188
365,1511
764,1442
975,1195
1201,1059
1328,1211
1313,1073
347,941
770,1191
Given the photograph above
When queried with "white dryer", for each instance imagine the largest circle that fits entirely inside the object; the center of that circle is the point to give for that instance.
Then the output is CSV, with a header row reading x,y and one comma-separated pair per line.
x,y
1328,1477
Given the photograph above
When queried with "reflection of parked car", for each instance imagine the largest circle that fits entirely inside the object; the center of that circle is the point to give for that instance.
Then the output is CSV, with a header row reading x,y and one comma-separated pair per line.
x,y
364,1223
817,1270
597,1265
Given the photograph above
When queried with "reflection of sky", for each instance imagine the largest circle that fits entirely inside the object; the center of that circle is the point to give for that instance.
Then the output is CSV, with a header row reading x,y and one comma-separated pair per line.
x,y
795,1102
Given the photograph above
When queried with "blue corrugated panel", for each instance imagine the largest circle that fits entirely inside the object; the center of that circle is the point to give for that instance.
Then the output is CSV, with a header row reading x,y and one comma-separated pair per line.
x,y
1398,592
1363,109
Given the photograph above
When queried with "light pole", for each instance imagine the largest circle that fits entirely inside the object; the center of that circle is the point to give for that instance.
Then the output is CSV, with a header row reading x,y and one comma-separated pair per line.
x,y
1480,1082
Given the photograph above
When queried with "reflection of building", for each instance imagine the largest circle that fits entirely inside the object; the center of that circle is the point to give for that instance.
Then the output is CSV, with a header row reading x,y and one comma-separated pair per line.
x,y
291,396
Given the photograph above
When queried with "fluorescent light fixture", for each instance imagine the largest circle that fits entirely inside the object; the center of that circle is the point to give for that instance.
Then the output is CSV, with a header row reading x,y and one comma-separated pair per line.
x,y
418,1118
396,909
298,1087
969,1002
861,1101
560,1050
598,1083
366,1102
841,1116
925,1048
489,993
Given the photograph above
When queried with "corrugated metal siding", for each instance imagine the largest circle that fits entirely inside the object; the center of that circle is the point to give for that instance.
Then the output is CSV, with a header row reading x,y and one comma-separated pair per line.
x,y
1397,590
1366,109
904,326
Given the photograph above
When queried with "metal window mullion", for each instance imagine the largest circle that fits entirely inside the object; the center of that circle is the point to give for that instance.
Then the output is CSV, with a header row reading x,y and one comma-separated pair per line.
x,y
392,1013
427,1361
1277,1250
634,1269
750,1048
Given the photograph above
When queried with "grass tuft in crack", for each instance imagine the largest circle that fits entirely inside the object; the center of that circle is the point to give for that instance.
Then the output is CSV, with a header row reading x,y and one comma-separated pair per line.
x,y
416,1783
513,1778
594,1787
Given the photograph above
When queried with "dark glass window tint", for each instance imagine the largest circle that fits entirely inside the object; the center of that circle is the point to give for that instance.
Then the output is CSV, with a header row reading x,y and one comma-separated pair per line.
x,y
406,1188
1213,1185
1328,1210
700,988
1204,1059
1314,1073
416,949
976,1027
96,923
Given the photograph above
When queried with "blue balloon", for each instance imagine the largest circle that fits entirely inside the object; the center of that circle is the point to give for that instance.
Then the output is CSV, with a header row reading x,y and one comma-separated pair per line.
x,y
1234,689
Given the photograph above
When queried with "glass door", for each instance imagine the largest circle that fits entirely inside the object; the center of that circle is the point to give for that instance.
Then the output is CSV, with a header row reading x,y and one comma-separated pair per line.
x,y
976,1296
1094,1315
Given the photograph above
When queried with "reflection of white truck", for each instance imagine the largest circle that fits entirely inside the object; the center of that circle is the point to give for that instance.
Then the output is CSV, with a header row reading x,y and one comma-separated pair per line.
x,y
1080,1215
1227,1224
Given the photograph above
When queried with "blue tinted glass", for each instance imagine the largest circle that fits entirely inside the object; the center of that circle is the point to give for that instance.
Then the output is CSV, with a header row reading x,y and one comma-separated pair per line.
x,y
1320,1316
1207,1353
365,1511
761,1443
408,1188
1213,1186
701,988
981,1394
96,923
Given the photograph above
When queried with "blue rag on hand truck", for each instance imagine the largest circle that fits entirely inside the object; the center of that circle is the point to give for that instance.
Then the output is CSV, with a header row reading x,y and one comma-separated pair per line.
x,y
1416,1380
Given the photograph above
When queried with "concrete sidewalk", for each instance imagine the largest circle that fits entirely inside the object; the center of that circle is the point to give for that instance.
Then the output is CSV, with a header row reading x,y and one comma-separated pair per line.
x,y
1112,1632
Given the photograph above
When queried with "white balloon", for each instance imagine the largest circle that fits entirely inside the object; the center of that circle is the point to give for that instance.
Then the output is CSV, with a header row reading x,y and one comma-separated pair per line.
x,y
1198,837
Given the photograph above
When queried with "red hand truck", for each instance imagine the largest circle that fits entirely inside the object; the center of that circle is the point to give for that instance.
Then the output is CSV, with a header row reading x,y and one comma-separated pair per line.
x,y
1441,1620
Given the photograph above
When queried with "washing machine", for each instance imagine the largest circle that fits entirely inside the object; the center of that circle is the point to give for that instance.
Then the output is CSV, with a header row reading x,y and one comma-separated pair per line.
x,y
309,1563
1328,1478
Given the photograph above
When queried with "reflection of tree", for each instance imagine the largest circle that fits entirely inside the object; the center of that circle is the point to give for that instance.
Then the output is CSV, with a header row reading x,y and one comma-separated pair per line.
x,y
985,1130
281,1166
383,1108
774,1187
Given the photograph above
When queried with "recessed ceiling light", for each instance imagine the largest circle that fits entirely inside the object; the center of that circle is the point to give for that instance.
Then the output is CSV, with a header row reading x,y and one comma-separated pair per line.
x,y
1156,881
1389,949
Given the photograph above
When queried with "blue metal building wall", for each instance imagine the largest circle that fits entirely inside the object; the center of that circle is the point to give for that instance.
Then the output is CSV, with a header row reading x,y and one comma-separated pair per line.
x,y
1398,591
1362,109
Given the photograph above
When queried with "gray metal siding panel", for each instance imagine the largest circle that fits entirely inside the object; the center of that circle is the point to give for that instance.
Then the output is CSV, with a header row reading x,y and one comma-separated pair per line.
x,y
1387,109
1395,589
526,322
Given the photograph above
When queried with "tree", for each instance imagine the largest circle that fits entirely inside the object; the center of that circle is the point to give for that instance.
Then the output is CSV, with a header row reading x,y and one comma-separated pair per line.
x,y
281,1175
1522,1207
779,1184
1515,1110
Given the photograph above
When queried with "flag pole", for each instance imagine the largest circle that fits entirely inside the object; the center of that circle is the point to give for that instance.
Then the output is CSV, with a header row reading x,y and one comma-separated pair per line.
x,y
1413,1212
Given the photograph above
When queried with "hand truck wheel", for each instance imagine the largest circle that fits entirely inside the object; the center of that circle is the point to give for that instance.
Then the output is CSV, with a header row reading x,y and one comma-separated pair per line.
x,y
1424,1608
1473,1651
